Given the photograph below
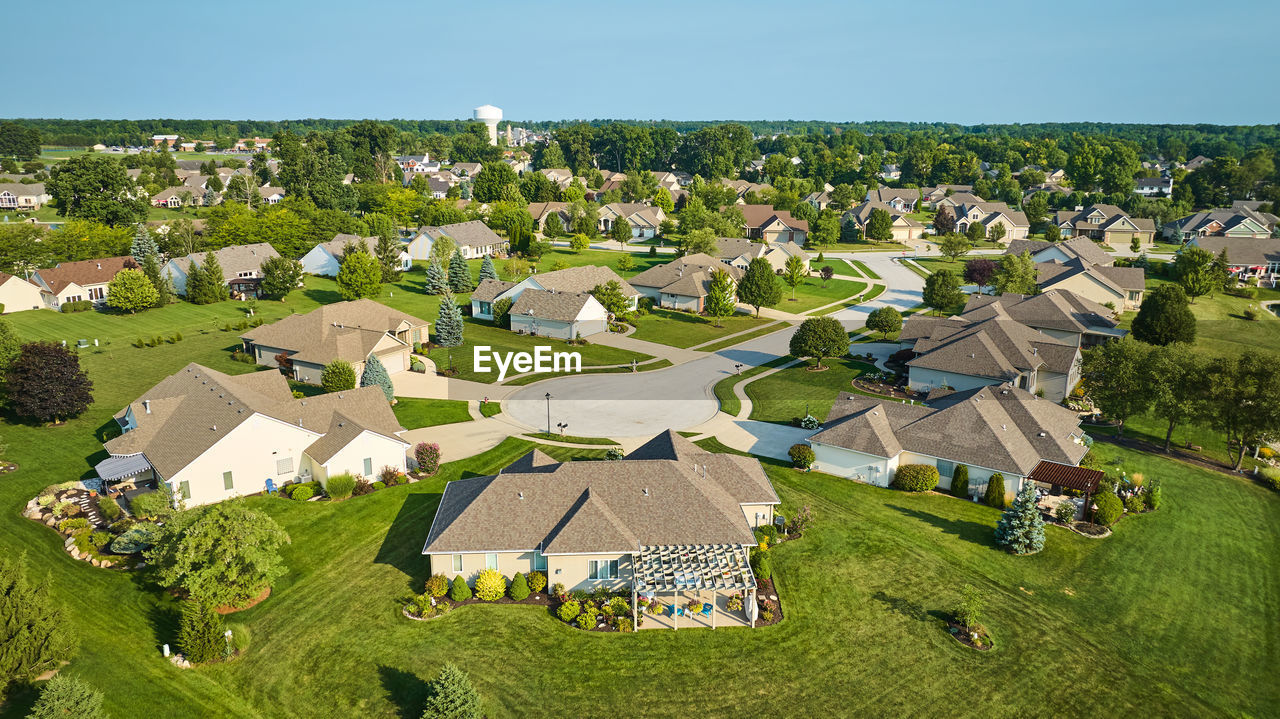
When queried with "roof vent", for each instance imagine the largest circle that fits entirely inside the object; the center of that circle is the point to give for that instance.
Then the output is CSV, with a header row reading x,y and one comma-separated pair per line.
x,y
342,424
99,265
645,491
214,428
1004,426
520,495
1042,434
339,395
146,405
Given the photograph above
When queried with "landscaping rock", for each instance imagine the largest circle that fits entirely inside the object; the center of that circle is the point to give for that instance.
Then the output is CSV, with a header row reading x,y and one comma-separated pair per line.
x,y
95,562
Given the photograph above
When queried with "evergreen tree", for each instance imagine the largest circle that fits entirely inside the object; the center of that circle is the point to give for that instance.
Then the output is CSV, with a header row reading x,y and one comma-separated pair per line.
x,y
435,284
204,282
459,274
759,285
359,276
553,226
487,270
720,300
1021,529
1165,317
388,253
960,481
164,288
143,245
1221,271
215,279
448,322
66,696
35,636
610,296
994,495
452,696
375,374
849,232
200,634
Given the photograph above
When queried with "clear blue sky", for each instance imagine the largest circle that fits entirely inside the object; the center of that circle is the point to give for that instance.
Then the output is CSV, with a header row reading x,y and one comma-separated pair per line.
x,y
967,62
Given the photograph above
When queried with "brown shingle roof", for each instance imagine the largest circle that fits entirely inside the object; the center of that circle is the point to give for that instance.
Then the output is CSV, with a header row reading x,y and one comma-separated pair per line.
x,y
689,274
555,306
343,330
582,279
760,215
85,272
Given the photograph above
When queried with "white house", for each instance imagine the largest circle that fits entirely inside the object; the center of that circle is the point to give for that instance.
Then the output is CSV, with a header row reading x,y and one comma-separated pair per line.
x,y
19,196
563,315
16,294
326,258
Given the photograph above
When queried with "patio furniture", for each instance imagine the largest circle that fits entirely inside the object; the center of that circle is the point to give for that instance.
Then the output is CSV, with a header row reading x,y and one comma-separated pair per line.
x,y
706,609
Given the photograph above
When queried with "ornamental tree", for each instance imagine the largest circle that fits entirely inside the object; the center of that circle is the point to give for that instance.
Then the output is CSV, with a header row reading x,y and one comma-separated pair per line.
x,y
338,376
45,383
491,585
130,291
610,296
225,553
375,375
1016,274
884,320
1194,271
360,276
427,455
944,222
979,272
280,276
452,696
35,635
819,337
553,226
759,286
954,246
942,290
621,231
448,322
793,273
1021,529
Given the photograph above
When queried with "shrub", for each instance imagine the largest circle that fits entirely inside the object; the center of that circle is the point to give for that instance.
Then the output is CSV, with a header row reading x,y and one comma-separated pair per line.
x,y
1152,494
427,455
1270,477
377,485
767,532
121,526
490,585
623,624
109,508
960,481
459,591
1251,315
557,590
301,493
1133,504
239,638
1109,509
135,539
761,565
994,496
452,696
437,585
613,454
71,526
1065,512
809,422
341,486
151,505
100,539
45,500
537,581
519,589
915,477
587,620
766,615
362,488
63,508
389,474
969,611
568,611
802,456
200,633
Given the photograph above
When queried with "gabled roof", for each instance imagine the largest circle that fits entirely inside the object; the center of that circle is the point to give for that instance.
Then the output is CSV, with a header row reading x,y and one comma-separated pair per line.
x,y
489,289
1056,310
861,214
1243,250
1082,247
688,276
994,346
546,305
757,216
992,212
85,272
343,330
233,259
472,234
582,279
1119,279
18,189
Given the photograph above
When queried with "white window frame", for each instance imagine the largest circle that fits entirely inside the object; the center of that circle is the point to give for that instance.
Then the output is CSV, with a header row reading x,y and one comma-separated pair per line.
x,y
491,560
539,561
457,563
598,567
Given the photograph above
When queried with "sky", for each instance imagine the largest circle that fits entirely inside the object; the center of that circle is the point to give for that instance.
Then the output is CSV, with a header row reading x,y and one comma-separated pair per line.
x,y
1178,61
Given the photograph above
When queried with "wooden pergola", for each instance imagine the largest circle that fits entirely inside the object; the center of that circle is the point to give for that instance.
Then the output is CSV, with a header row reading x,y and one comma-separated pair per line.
x,y
673,569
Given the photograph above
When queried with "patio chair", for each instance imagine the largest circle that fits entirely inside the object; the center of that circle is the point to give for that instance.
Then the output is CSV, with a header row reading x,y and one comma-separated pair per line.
x,y
706,609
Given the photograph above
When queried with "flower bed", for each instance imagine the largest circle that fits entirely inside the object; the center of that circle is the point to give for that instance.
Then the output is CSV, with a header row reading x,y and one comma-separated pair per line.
x,y
976,637
88,523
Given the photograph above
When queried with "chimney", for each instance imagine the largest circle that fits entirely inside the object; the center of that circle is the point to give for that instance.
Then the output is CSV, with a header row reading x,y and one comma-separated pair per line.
x,y
146,406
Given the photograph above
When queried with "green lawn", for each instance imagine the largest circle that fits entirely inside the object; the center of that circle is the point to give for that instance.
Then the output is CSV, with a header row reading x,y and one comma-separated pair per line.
x,y
413,412
933,264
729,402
1220,323
734,341
792,391
839,267
608,258
481,332
814,293
684,329
858,247
570,438
866,271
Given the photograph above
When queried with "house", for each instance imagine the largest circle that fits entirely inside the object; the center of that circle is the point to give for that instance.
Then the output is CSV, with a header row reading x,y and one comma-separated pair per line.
x,y
1247,257
1047,187
905,228
1120,287
20,196
986,348
1107,224
1153,186
17,294
467,169
739,253
563,315
1196,163
570,280
351,331
683,283
957,198
644,219
182,196
904,200
990,429
1061,314
890,172
79,281
818,200
540,211
562,177
246,144
208,436
1239,221
669,180
326,258
474,238
742,188
409,163
1066,250
272,195
990,214
611,525
765,223
241,268
931,196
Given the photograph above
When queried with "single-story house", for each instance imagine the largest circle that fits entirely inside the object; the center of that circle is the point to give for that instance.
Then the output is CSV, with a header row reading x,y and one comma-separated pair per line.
x,y
272,195
581,279
1247,257
905,228
903,200
644,219
82,280
931,196
1123,287
467,169
326,258
1064,251
740,252
611,525
1153,186
474,238
563,315
999,428
209,436
743,188
562,177
683,283
17,294
540,211
241,268
1239,221
1058,313
23,196
765,223
1107,224
351,331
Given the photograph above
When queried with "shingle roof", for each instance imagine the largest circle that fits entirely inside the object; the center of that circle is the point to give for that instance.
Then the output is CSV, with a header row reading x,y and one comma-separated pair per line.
x,y
582,279
489,289
1056,309
761,215
1082,247
1119,279
1243,250
667,492
993,346
556,306
33,189
233,259
85,272
343,330
472,234
689,276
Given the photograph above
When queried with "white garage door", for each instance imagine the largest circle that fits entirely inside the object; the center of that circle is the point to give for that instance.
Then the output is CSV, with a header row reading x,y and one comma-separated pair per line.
x,y
394,361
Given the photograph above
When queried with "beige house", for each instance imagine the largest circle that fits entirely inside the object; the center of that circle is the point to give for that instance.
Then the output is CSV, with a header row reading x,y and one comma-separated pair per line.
x,y
683,283
540,211
209,436
601,524
351,331
23,196
990,214
644,219
1107,224
17,295
739,253
241,268
563,315
1121,287
571,280
474,238
1060,314
79,281
1240,221
770,225
1064,251
905,228
904,200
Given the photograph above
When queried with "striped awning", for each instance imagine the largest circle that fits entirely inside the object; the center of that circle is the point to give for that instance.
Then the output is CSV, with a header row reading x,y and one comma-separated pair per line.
x,y
116,468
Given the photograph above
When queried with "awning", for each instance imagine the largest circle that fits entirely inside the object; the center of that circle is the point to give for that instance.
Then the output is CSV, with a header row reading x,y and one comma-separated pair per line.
x,y
1065,475
116,468
679,567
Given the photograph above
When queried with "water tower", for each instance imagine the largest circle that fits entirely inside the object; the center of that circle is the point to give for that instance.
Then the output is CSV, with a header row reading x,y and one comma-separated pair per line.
x,y
491,116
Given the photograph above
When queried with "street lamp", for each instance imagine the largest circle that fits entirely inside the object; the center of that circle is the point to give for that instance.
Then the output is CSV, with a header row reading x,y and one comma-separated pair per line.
x,y
548,413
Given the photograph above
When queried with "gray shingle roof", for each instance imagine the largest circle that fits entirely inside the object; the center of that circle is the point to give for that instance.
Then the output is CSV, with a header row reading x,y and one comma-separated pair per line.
x,y
233,259
1243,250
582,279
1082,247
472,234
343,330
1056,310
688,276
994,346
556,306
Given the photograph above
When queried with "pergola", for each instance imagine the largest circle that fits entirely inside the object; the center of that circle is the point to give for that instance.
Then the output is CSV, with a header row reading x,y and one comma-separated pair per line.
x,y
672,569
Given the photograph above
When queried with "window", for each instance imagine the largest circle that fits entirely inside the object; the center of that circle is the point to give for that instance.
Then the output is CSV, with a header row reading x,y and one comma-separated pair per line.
x,y
602,569
368,466
184,490
946,469
491,561
539,562
227,481
457,562
284,466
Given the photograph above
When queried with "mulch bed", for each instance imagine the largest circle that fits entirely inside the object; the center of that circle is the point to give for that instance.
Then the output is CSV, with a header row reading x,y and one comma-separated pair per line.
x,y
1094,531
7,467
247,605
765,591
961,634
884,390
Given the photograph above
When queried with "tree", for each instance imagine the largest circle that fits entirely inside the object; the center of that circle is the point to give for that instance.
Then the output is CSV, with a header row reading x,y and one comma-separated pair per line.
x,y
487,270
826,230
942,291
1165,317
819,337
996,232
205,282
621,230
442,249
280,276
944,222
375,375
610,296
225,553
849,232
626,262
884,320
19,142
1194,271
1052,233
338,376
880,225
827,272
67,696
130,291
662,199
35,634
579,242
436,283
45,383
96,187
10,346
700,241
793,273
1241,392
720,301
161,283
1178,385
1036,208
493,177
459,273
201,634
387,252
1117,377
1221,270
359,276
143,244
993,496
448,322
451,696
954,246
979,271
960,481
976,232
1021,528
553,227
759,286
1016,274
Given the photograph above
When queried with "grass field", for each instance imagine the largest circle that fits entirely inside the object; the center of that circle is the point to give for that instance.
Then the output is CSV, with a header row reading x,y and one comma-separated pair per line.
x,y
413,412
866,271
481,332
732,341
813,294
729,402
683,329
1220,322
795,390
839,267
608,258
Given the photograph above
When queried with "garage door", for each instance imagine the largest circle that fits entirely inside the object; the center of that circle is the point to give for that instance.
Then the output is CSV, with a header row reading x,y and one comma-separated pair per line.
x,y
394,361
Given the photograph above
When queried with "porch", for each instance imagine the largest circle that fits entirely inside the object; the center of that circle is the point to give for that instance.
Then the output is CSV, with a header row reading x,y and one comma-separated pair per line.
x,y
719,614
673,576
